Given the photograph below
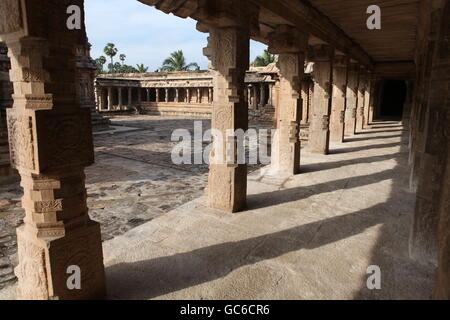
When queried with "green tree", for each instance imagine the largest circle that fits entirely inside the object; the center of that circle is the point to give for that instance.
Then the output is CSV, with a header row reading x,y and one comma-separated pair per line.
x,y
100,63
111,51
141,68
122,58
264,60
177,62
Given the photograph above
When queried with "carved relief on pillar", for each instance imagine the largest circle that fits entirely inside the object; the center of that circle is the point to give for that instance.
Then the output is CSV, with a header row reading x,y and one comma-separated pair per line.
x,y
229,24
291,45
51,142
319,133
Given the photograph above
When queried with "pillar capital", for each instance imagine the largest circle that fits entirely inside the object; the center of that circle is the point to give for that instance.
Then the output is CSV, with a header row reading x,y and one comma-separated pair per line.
x,y
226,14
321,53
287,39
341,61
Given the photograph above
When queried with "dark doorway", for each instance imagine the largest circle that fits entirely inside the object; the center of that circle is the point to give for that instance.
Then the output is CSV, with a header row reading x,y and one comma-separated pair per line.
x,y
392,99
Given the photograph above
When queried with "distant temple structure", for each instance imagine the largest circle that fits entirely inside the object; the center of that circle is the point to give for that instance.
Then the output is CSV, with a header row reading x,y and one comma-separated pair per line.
x,y
187,93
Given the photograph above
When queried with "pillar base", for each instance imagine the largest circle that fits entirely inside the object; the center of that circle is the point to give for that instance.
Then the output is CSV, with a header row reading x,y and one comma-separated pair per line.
x,y
42,271
227,187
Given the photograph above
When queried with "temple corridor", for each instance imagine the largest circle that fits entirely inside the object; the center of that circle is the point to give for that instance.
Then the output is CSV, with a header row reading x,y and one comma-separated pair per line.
x,y
310,236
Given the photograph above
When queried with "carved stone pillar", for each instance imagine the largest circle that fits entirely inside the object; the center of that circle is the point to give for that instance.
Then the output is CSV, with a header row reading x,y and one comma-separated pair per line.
x,y
305,101
352,99
338,102
148,94
167,94
177,95
319,132
229,52
199,96
120,98
188,92
362,87
255,97
130,96
271,94
431,163
98,97
262,97
110,98
291,47
210,95
368,97
157,94
51,143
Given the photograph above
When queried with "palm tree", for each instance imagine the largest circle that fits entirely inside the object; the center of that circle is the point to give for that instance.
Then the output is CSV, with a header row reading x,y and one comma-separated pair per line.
x,y
101,61
177,62
111,51
141,68
264,60
122,58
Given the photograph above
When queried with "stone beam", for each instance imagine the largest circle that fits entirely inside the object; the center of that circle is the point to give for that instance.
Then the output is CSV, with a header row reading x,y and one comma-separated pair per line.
x,y
299,14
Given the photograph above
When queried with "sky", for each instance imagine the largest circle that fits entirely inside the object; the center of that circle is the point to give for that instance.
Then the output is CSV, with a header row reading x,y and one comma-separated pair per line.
x,y
145,34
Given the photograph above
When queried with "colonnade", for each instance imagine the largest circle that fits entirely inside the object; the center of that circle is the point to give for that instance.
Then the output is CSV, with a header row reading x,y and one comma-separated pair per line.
x,y
58,232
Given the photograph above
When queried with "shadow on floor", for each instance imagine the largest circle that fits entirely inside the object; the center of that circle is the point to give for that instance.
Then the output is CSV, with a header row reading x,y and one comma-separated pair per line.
x,y
401,278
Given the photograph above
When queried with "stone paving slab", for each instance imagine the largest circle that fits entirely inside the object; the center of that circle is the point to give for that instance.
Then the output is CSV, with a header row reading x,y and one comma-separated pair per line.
x,y
312,236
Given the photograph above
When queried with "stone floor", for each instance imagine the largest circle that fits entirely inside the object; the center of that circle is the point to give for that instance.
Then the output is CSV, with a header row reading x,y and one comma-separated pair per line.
x,y
132,182
311,236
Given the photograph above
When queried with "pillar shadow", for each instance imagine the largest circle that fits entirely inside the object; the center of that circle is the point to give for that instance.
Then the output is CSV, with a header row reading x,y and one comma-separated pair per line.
x,y
370,138
156,277
306,168
362,148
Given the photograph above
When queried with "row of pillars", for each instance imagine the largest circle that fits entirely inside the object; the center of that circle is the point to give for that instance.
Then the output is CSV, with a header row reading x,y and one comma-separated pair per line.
x,y
258,95
105,96
51,137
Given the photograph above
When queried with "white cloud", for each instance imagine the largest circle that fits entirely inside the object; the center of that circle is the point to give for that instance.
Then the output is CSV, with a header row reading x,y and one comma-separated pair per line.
x,y
145,34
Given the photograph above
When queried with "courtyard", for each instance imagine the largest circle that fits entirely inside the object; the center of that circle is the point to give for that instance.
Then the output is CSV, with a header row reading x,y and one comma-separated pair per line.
x,y
308,236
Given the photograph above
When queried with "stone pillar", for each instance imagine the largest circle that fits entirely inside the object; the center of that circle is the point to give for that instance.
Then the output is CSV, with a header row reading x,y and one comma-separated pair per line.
x,y
305,101
271,94
338,104
229,52
319,132
249,95
290,45
407,108
110,98
210,95
157,94
130,97
351,99
120,98
199,96
148,94
367,101
432,162
188,95
51,143
262,97
167,94
177,95
98,97
362,86
255,97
